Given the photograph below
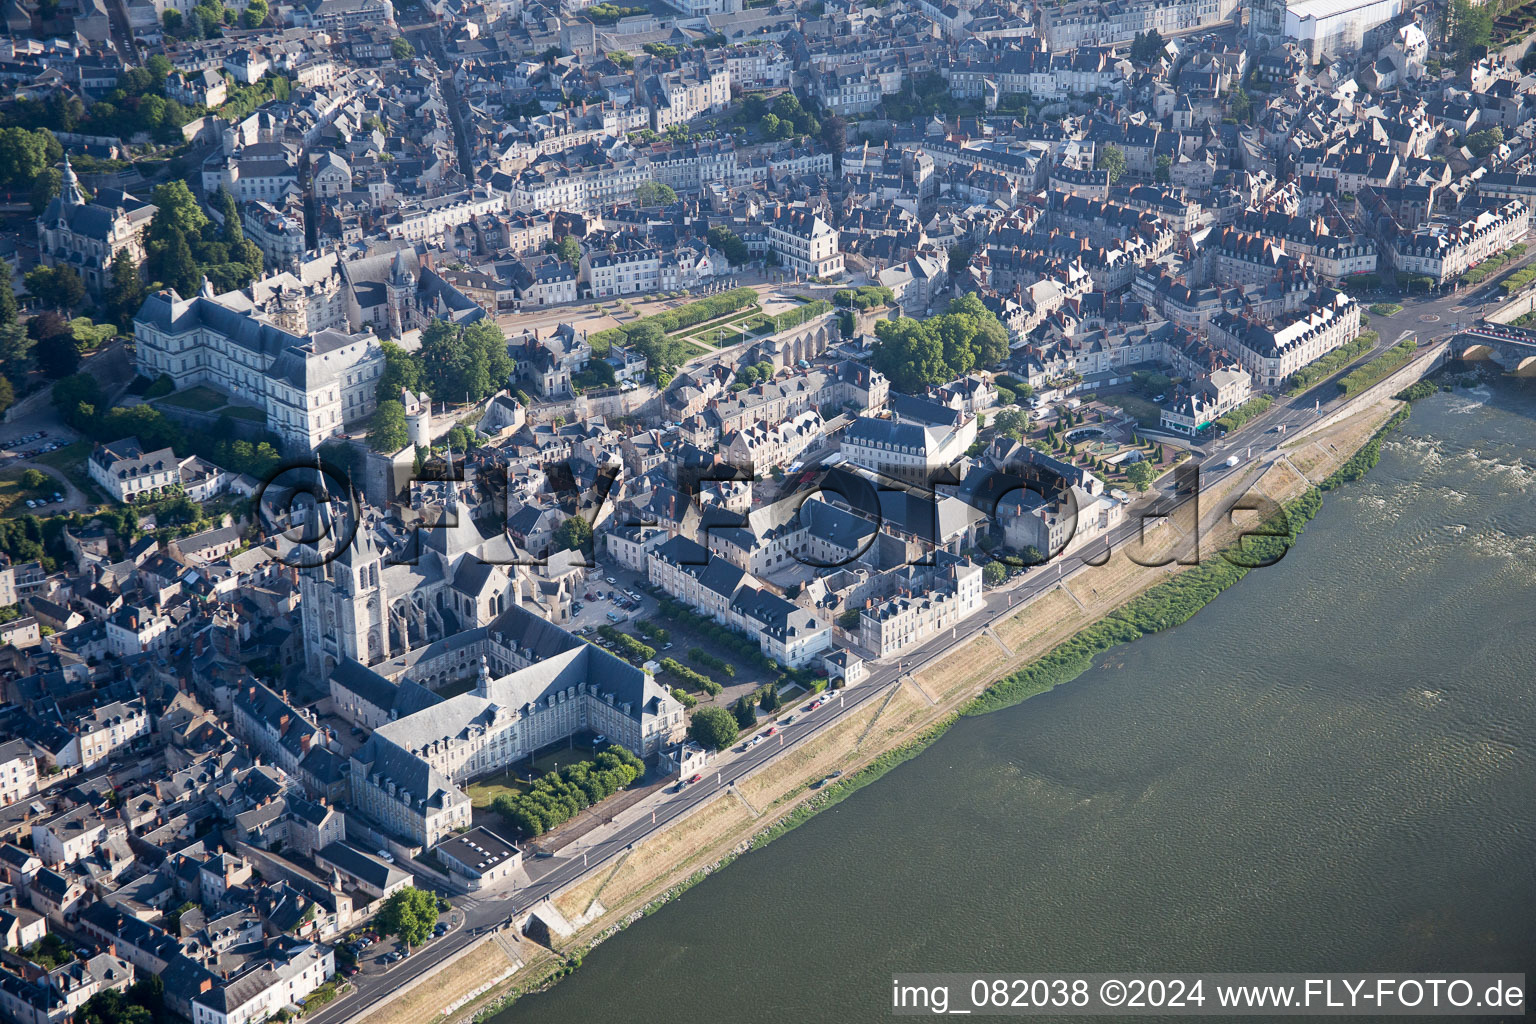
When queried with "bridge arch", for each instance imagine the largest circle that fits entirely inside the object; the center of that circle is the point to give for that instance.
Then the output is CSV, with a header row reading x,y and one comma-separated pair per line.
x,y
1526,367
1477,351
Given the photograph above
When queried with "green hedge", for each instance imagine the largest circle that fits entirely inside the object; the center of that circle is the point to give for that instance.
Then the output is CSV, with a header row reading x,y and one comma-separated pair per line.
x,y
672,320
800,314
699,656
1242,414
560,796
1362,377
683,674
1331,363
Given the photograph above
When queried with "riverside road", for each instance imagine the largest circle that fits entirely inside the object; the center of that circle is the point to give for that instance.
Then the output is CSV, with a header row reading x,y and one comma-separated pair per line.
x,y
1256,445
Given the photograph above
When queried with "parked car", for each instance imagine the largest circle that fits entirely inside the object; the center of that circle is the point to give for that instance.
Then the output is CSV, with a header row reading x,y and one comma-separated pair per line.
x,y
610,581
696,778
386,856
772,731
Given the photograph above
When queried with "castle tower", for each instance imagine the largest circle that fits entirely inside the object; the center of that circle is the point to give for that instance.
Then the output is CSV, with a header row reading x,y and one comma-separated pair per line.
x,y
418,417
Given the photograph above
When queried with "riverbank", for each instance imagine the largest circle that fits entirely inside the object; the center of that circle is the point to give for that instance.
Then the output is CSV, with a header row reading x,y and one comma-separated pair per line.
x,y
1055,637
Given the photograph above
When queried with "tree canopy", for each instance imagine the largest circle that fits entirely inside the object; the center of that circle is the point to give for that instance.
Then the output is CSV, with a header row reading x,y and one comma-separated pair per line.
x,y
916,353
713,728
1112,159
388,432
655,193
59,287
409,913
463,363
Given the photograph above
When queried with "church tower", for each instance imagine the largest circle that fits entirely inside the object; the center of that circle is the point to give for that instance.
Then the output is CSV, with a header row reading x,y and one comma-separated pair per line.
x,y
343,599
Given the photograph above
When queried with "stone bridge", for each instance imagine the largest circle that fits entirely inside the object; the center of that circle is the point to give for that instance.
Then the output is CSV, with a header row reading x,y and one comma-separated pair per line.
x,y
1513,348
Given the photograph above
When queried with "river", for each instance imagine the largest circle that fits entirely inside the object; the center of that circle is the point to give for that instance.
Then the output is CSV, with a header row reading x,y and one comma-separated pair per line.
x,y
1329,769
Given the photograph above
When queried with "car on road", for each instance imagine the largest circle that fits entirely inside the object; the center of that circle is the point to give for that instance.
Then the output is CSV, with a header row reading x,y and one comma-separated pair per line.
x,y
599,739
790,720
696,778
667,646
610,581
386,856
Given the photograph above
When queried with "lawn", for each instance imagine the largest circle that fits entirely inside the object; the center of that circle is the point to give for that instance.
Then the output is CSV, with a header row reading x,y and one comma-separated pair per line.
x,y
1147,412
244,412
13,496
515,780
1386,309
198,398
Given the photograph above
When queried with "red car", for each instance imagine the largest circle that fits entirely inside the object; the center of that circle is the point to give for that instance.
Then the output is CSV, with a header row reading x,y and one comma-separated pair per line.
x,y
771,730
696,778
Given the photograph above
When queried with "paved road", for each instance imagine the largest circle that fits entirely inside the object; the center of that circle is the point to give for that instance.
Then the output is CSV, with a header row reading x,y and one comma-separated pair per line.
x,y
1256,445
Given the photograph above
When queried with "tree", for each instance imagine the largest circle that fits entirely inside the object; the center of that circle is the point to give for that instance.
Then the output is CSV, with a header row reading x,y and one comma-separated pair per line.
x,y
1147,48
8,306
176,208
489,344
1112,159
569,249
1242,105
254,14
59,287
126,295
655,193
994,573
387,431
25,154
58,356
745,711
48,185
401,48
409,913
910,354
1472,30
448,366
769,699
713,728
989,343
1164,171
847,324
1012,423
730,243
575,534
834,134
960,258
1140,475
1484,142
402,370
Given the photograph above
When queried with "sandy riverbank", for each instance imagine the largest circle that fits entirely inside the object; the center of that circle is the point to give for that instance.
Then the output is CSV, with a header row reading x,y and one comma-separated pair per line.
x,y
914,713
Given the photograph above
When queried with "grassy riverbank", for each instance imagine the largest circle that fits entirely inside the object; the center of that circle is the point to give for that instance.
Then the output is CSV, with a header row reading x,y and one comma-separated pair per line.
x,y
1135,601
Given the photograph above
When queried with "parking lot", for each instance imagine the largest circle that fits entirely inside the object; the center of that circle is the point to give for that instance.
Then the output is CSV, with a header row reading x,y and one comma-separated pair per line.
x,y
610,598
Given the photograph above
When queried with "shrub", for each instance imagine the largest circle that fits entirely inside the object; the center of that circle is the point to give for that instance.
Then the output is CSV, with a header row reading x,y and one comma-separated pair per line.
x,y
1363,377
559,796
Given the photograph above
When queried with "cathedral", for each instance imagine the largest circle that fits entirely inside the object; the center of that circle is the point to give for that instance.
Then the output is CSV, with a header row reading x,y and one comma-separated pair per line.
x,y
386,597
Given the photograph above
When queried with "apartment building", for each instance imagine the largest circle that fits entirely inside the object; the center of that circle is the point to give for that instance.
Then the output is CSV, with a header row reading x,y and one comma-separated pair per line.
x,y
1445,251
805,243
1273,350
922,602
18,771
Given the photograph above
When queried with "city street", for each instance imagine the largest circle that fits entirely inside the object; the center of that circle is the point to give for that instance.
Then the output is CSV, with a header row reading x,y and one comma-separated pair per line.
x,y
1256,445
